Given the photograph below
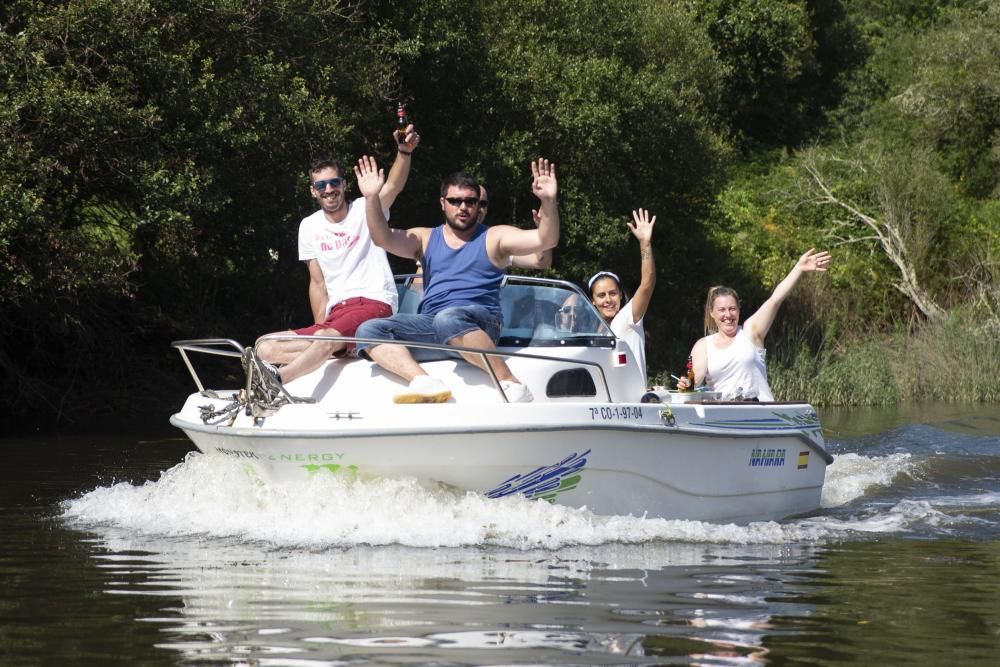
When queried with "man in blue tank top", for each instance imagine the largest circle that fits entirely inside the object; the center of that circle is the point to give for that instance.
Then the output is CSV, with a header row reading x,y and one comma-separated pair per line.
x,y
464,264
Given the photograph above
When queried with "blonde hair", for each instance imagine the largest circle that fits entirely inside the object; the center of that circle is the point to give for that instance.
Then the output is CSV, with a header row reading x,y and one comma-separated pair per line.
x,y
714,293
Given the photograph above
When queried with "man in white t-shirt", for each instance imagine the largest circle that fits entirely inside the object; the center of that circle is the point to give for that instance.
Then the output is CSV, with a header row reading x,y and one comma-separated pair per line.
x,y
349,277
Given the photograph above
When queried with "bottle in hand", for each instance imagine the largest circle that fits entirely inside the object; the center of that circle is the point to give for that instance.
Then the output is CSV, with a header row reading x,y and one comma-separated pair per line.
x,y
402,122
690,374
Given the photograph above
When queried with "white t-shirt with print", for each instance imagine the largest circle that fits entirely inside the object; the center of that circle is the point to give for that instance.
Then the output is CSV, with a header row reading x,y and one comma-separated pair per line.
x,y
352,265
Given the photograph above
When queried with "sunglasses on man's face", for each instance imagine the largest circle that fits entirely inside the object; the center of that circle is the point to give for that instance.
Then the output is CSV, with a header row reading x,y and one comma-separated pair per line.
x,y
568,310
320,186
471,202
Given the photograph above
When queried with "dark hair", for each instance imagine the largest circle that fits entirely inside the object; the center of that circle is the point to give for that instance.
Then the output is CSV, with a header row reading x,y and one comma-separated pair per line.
x,y
604,274
459,179
714,293
321,163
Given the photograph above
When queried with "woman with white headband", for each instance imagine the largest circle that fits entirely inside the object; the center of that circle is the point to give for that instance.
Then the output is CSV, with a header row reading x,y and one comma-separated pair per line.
x,y
606,292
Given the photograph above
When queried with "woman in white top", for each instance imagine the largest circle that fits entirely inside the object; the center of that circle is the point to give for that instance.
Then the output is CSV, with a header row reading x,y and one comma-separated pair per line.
x,y
606,292
730,358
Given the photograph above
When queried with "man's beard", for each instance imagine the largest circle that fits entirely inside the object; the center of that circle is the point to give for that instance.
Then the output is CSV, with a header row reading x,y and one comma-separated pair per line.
x,y
460,226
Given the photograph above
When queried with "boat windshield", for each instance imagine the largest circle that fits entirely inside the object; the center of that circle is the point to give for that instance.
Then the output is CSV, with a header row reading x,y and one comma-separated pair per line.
x,y
536,312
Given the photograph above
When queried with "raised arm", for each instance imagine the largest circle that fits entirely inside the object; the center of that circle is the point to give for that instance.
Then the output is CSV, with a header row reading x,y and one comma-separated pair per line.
x,y
642,229
538,260
511,241
400,169
545,186
401,242
758,324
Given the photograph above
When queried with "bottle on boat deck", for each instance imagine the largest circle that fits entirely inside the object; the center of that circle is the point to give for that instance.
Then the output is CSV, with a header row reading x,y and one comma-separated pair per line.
x,y
402,121
690,374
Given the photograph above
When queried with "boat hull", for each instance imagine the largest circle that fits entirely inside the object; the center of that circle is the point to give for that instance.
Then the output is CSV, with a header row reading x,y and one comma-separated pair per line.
x,y
710,462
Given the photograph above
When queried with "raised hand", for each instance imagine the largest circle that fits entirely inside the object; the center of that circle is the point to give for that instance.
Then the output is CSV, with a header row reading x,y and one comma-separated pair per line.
x,y
411,141
543,182
813,261
642,228
370,178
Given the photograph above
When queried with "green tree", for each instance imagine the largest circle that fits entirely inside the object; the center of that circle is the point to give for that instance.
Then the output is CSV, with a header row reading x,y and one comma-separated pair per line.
x,y
623,96
783,62
151,151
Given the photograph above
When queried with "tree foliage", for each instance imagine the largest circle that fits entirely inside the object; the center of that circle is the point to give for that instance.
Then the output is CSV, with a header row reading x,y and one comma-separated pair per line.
x,y
152,162
783,61
901,182
153,151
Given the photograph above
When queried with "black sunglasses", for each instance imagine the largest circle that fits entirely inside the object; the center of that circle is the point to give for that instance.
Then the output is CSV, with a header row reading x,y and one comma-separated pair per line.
x,y
566,310
471,202
320,186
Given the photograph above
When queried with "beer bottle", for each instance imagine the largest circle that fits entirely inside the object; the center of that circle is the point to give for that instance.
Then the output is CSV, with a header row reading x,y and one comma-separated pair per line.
x,y
402,122
690,369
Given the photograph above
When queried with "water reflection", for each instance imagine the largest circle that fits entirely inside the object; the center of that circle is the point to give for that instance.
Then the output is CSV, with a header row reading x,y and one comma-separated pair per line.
x,y
901,567
707,603
899,602
851,422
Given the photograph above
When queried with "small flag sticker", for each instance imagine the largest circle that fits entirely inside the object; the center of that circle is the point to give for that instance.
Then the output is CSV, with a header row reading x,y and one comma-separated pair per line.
x,y
803,460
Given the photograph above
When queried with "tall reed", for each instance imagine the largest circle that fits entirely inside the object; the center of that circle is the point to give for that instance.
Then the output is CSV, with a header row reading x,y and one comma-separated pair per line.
x,y
956,359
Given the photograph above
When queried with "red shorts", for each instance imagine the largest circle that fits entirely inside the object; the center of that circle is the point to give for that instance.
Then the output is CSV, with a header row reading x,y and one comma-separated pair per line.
x,y
347,315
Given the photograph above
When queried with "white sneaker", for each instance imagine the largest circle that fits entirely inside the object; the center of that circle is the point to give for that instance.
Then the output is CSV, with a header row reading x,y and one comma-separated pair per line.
x,y
424,389
265,376
516,392
271,372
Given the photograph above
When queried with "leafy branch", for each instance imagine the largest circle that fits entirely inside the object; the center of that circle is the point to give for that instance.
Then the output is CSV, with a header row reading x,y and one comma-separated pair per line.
x,y
889,231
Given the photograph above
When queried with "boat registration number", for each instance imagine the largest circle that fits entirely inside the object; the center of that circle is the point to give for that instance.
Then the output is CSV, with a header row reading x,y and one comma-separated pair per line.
x,y
617,413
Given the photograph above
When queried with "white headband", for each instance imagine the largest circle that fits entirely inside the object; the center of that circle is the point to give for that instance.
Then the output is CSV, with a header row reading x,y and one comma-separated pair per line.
x,y
601,274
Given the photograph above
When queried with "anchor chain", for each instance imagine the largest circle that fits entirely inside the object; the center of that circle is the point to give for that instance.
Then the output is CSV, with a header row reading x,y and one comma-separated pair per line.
x,y
259,398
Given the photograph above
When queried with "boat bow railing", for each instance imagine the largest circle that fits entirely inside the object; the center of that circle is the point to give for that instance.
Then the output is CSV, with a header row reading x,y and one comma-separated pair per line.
x,y
213,346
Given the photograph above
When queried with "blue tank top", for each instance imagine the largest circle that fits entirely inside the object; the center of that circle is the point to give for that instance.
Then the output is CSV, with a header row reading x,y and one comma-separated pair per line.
x,y
460,277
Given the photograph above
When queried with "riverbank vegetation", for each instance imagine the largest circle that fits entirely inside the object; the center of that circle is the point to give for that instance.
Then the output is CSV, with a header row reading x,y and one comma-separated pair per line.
x,y
954,359
153,151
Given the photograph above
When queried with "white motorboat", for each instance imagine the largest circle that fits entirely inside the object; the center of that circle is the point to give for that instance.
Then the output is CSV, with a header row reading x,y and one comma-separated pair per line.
x,y
594,436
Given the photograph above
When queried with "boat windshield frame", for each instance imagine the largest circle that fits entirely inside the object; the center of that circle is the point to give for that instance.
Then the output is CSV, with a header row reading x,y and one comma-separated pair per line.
x,y
533,312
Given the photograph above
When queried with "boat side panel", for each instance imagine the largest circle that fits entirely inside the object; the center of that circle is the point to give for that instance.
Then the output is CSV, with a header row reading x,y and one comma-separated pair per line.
x,y
666,474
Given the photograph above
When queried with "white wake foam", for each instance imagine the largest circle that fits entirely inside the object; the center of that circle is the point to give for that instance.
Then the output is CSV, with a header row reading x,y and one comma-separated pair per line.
x,y
852,475
215,497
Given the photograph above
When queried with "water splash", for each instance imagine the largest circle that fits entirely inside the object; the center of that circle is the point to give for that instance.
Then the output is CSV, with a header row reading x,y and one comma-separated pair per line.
x,y
215,497
851,476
